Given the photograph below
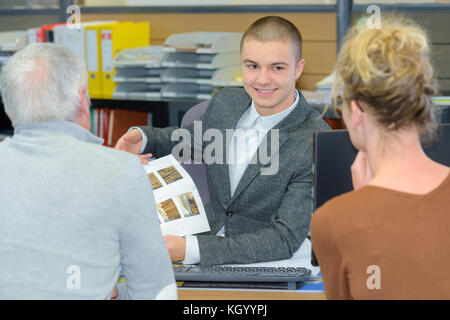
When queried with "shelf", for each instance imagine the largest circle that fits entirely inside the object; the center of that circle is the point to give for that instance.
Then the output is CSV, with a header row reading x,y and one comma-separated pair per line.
x,y
407,7
426,7
211,9
28,11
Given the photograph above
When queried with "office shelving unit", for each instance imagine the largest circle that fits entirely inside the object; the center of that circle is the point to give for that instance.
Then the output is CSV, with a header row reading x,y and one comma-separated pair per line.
x,y
138,73
343,8
199,62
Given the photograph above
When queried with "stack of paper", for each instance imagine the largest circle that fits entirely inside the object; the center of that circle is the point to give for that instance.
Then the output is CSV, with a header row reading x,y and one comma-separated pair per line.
x,y
97,43
325,86
441,101
10,42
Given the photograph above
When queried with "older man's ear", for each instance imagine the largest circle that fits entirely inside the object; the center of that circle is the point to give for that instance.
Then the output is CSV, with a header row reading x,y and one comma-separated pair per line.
x,y
84,115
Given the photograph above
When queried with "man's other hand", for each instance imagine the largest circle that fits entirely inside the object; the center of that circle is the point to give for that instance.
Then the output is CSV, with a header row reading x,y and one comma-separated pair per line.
x,y
176,247
114,294
132,142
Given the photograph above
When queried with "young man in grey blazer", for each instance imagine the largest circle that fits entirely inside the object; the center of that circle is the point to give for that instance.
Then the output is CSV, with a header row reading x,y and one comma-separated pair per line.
x,y
260,208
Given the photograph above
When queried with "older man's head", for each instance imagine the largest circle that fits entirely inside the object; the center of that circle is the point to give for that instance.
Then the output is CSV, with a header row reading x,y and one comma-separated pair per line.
x,y
45,82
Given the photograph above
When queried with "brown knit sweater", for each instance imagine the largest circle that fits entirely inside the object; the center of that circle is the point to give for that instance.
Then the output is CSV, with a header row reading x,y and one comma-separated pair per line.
x,y
377,243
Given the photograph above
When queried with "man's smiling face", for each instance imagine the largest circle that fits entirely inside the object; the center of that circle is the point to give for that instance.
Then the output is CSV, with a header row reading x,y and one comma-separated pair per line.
x,y
269,72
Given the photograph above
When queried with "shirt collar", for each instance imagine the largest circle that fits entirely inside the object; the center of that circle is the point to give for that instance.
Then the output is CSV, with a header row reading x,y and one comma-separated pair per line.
x,y
55,127
271,121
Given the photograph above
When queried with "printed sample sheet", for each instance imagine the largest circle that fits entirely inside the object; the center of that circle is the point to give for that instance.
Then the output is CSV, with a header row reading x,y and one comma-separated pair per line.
x,y
178,203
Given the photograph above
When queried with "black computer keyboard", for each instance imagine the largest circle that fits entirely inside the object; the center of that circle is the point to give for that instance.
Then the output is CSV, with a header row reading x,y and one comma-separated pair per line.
x,y
241,274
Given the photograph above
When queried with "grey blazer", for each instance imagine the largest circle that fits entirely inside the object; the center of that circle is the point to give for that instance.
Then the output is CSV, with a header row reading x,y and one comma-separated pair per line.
x,y
268,216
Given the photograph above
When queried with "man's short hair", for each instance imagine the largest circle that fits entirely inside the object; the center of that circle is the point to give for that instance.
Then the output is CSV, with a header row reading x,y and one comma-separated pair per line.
x,y
274,28
41,83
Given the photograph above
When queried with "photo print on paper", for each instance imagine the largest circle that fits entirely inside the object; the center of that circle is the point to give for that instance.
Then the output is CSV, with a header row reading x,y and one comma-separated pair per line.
x,y
168,210
188,204
170,174
154,181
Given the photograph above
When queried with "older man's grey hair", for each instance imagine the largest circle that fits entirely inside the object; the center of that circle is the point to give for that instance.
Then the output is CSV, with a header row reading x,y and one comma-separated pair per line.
x,y
41,83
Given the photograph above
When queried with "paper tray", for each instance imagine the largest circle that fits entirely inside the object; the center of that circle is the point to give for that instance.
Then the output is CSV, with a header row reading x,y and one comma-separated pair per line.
x,y
188,75
147,57
203,42
137,91
138,74
187,90
228,76
13,40
202,61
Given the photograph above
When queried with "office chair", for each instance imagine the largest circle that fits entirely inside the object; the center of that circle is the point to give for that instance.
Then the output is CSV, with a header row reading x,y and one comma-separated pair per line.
x,y
197,171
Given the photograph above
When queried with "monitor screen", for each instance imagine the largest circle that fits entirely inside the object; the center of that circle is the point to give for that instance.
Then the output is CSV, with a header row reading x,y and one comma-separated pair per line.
x,y
333,155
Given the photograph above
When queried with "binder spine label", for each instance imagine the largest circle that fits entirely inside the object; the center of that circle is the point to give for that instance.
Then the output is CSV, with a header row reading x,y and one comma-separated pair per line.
x,y
92,50
107,51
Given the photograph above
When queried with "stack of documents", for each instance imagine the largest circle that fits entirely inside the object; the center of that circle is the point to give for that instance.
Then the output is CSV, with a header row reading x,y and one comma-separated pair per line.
x,y
97,43
199,62
441,101
324,88
10,42
138,73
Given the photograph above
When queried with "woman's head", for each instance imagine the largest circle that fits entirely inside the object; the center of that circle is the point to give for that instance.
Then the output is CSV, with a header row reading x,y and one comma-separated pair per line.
x,y
387,73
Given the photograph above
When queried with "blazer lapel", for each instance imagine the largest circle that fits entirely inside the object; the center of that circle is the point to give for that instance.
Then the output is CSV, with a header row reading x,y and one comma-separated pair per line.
x,y
255,166
229,120
291,122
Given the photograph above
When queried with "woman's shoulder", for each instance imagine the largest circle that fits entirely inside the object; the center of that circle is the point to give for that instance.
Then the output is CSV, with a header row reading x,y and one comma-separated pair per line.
x,y
347,207
343,201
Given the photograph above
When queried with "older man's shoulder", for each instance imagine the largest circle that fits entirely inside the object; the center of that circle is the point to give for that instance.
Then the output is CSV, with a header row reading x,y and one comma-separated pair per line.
x,y
110,156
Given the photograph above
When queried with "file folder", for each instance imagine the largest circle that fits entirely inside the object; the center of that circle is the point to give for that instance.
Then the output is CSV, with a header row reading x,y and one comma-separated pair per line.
x,y
46,33
32,35
116,37
74,38
93,59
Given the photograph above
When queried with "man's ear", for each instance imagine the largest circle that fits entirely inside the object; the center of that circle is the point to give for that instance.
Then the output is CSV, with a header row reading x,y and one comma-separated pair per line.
x,y
357,114
84,112
299,68
84,100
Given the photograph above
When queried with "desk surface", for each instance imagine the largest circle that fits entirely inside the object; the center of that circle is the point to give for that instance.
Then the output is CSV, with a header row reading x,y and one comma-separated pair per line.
x,y
243,294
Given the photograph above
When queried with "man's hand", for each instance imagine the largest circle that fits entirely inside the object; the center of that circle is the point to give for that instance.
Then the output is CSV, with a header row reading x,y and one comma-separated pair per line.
x,y
114,294
132,142
176,247
361,174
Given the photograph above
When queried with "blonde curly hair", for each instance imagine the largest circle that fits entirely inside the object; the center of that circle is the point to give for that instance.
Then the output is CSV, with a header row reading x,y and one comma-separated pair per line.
x,y
390,70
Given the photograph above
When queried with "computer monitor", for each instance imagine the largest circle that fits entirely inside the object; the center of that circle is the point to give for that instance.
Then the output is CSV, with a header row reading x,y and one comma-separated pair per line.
x,y
333,155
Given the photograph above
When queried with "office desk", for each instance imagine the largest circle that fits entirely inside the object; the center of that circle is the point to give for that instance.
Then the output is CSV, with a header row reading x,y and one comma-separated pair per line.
x,y
312,290
246,294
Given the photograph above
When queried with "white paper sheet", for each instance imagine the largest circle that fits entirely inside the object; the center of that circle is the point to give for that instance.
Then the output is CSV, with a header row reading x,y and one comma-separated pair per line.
x,y
179,206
